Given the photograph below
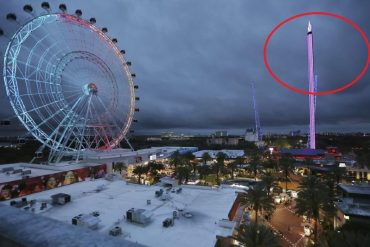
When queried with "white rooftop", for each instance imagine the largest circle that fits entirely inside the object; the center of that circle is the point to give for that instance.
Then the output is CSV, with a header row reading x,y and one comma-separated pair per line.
x,y
208,206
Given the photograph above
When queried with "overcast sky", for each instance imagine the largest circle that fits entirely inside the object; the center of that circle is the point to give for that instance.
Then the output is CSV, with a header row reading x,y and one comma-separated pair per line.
x,y
195,60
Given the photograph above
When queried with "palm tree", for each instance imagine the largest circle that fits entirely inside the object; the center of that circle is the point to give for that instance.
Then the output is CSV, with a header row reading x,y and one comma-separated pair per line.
x,y
253,235
286,165
176,159
217,168
232,166
183,173
268,182
308,164
338,173
140,170
350,234
312,197
203,170
206,157
258,199
219,165
253,168
153,168
189,158
119,166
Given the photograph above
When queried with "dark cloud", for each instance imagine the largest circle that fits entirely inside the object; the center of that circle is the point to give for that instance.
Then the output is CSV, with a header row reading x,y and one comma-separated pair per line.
x,y
195,61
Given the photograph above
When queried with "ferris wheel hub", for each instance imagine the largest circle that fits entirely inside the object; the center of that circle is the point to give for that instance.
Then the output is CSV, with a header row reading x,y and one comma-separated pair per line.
x,y
90,88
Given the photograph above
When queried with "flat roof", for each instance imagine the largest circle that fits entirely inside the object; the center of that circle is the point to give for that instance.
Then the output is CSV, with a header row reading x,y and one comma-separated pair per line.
x,y
352,209
126,153
361,189
21,227
208,207
303,151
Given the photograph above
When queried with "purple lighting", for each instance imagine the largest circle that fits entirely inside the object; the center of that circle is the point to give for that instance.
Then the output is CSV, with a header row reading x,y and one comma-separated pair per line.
x,y
311,88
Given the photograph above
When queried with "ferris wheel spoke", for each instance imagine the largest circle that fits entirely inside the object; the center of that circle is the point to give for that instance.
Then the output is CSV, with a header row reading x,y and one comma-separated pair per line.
x,y
107,111
47,119
84,128
70,115
36,71
39,107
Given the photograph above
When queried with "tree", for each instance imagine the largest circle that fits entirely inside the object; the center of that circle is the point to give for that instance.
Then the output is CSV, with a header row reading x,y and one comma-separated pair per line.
x,y
119,166
153,168
257,198
217,168
232,166
219,165
253,235
189,158
255,160
183,173
270,164
253,167
337,174
348,235
206,157
268,182
140,170
308,164
286,164
176,159
203,170
312,197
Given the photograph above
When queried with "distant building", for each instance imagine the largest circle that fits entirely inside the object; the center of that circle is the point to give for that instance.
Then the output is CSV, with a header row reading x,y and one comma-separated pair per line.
x,y
224,140
173,136
251,135
221,133
154,139
295,133
301,154
354,206
167,134
358,173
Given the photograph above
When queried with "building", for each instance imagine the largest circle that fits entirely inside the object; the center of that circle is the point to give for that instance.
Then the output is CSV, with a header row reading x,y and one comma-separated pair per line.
x,y
251,135
358,173
223,140
295,133
301,154
221,133
354,204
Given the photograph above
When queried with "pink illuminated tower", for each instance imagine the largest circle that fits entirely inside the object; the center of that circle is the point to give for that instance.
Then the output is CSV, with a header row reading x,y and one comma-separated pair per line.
x,y
311,88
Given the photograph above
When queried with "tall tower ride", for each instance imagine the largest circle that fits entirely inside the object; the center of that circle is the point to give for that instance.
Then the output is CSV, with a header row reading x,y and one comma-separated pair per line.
x,y
311,88
256,116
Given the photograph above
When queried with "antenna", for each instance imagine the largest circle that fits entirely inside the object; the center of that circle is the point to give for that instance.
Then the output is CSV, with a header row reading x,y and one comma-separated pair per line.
x,y
256,115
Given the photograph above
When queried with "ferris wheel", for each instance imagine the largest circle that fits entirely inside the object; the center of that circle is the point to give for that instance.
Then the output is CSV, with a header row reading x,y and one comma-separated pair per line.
x,y
68,82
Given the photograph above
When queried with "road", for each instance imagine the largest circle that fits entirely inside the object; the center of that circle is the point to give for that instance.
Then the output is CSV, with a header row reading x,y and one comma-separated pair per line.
x,y
289,226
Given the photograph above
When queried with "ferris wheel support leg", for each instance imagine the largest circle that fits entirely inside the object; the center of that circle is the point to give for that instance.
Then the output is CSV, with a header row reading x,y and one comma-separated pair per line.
x,y
56,147
83,130
132,149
